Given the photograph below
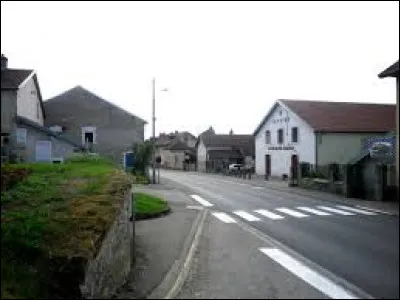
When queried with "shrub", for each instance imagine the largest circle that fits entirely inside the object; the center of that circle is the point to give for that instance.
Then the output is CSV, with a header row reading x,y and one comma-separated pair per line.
x,y
11,175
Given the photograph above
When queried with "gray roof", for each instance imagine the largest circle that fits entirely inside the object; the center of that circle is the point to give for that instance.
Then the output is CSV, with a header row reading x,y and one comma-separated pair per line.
x,y
392,71
178,145
74,99
12,78
242,142
36,126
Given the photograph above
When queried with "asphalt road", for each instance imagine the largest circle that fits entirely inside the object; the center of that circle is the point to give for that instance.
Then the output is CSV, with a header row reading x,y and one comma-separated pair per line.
x,y
256,237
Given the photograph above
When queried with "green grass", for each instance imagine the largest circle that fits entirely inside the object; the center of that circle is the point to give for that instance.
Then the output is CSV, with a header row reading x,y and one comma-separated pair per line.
x,y
59,210
147,204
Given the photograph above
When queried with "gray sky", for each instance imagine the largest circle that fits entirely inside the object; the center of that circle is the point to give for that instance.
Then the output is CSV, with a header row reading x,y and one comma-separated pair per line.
x,y
225,63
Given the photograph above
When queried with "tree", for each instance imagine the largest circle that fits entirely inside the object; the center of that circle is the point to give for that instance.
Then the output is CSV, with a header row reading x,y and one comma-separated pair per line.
x,y
143,153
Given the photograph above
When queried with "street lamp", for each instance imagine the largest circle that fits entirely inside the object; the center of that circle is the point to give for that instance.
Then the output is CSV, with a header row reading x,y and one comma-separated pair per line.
x,y
154,128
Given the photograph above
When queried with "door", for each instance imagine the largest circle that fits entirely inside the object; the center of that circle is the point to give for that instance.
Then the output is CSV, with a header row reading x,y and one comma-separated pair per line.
x,y
43,151
267,166
294,166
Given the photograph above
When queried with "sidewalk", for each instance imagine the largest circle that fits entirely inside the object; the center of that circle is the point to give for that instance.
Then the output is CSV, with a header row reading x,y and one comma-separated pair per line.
x,y
161,245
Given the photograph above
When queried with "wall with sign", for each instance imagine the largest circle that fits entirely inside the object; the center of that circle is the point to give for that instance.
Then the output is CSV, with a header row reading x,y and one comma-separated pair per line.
x,y
282,118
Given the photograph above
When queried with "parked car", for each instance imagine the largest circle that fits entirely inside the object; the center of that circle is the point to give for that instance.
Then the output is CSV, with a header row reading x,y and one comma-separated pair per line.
x,y
234,168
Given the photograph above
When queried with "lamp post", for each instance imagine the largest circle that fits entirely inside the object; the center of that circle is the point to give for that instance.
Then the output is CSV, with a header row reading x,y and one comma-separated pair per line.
x,y
154,129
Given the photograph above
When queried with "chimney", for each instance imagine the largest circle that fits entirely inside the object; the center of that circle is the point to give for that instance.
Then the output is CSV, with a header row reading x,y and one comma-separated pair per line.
x,y
4,62
231,132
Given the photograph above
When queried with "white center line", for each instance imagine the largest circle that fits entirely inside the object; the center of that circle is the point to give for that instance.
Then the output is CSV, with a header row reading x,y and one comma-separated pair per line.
x,y
318,281
258,187
360,211
201,200
291,212
314,211
335,210
224,217
269,214
246,216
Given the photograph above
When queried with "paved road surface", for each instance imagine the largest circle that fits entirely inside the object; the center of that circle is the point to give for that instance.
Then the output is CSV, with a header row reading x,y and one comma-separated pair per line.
x,y
263,243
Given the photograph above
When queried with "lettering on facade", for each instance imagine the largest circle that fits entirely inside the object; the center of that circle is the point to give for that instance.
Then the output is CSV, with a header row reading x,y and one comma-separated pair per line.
x,y
281,148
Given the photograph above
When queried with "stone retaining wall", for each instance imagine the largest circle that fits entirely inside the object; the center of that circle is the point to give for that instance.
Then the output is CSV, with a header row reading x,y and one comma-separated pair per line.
x,y
110,268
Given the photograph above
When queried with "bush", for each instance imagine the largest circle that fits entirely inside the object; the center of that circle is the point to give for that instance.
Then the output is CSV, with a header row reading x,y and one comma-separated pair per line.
x,y
11,175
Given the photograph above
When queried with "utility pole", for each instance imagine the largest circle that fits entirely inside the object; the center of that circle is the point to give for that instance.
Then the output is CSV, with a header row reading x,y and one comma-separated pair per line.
x,y
154,131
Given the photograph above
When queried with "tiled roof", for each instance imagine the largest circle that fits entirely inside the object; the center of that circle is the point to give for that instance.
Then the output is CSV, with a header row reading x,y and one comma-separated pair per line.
x,y
345,116
243,142
12,78
392,71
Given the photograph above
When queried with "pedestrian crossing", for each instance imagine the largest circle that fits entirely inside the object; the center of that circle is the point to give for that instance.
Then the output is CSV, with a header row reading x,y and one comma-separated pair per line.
x,y
282,213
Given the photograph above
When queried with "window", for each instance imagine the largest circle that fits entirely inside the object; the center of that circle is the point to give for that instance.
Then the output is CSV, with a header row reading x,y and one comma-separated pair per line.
x,y
21,136
280,136
295,135
268,137
89,135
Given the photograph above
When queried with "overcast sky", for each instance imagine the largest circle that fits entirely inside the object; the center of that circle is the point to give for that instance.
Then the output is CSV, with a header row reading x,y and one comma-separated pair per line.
x,y
225,63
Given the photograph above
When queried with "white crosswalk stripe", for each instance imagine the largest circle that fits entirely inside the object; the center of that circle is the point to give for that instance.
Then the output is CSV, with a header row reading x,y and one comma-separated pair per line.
x,y
314,211
224,217
291,212
269,214
337,211
356,210
246,216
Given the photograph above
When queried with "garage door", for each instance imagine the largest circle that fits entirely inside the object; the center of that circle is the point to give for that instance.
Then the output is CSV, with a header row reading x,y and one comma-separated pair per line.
x,y
43,151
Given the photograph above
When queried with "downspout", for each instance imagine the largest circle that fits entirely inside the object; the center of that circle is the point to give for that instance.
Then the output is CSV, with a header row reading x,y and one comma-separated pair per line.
x,y
316,148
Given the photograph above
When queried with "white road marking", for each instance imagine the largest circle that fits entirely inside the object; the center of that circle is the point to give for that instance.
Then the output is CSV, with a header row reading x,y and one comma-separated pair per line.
x,y
246,216
376,210
258,187
335,210
318,281
269,214
224,217
195,207
313,211
360,211
291,212
201,200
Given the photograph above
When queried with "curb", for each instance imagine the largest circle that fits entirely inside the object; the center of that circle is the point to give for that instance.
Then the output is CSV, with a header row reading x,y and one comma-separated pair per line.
x,y
175,277
139,217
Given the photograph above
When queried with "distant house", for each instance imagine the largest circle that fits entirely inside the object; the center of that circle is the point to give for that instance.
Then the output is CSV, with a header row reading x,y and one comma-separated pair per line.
x,y
177,150
96,124
393,71
23,136
317,132
216,151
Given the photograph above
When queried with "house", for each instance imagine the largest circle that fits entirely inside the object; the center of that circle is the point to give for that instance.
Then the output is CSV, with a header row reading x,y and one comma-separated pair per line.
x,y
177,150
94,122
216,151
317,132
23,136
393,71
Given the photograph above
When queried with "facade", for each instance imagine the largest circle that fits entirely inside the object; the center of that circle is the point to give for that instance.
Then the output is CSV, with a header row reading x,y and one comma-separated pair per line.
x,y
216,151
94,123
23,136
316,132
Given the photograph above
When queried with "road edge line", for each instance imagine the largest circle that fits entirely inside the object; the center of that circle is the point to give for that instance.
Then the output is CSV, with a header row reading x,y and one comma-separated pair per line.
x,y
313,265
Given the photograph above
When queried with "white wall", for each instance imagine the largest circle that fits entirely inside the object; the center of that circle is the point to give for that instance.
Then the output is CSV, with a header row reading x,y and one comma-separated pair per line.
x,y
281,159
201,151
28,102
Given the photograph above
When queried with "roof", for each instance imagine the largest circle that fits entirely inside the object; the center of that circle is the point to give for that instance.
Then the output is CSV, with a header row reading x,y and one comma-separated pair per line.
x,y
324,116
75,99
12,78
392,71
220,154
243,142
177,145
27,122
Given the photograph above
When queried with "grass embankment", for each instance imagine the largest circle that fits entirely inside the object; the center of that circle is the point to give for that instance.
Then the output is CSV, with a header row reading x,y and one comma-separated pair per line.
x,y
148,206
56,214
